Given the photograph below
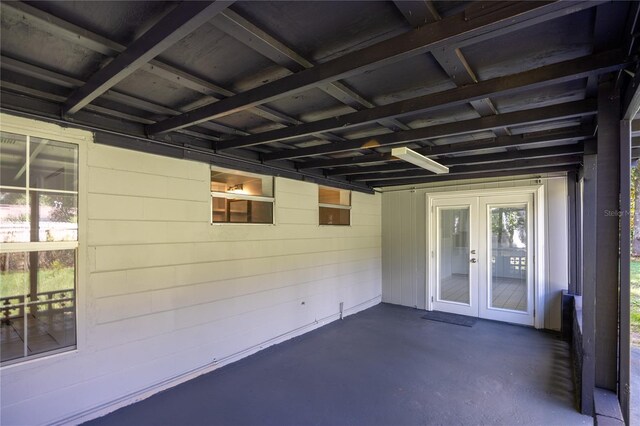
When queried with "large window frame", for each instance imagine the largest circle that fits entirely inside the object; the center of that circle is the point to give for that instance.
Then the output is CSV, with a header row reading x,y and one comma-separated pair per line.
x,y
53,310
239,189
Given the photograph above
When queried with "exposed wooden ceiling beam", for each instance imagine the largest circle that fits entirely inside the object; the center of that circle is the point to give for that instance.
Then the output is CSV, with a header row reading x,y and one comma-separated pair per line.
x,y
479,175
460,171
58,98
561,135
421,40
537,115
450,58
35,93
97,43
418,13
259,40
180,22
262,42
527,80
124,99
574,148
61,29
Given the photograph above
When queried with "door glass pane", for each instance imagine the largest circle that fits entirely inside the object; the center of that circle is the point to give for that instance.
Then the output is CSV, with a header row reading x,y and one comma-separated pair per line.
x,y
453,262
509,258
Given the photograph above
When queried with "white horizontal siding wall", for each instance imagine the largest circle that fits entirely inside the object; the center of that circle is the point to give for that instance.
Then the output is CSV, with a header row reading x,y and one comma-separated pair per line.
x,y
404,227
166,293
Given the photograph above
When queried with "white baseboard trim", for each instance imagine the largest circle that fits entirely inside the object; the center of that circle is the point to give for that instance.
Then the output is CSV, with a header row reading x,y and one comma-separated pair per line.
x,y
106,408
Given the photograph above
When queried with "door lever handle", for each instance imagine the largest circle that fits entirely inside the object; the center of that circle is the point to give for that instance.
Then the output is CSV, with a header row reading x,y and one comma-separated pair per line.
x,y
473,260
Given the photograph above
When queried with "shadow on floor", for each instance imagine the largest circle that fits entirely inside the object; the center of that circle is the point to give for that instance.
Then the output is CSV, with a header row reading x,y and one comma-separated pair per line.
x,y
383,366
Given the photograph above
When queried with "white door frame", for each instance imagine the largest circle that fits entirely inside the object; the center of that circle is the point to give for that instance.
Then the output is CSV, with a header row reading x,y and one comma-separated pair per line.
x,y
539,232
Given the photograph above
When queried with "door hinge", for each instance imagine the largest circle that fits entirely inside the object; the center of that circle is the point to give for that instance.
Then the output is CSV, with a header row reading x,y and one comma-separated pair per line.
x,y
431,299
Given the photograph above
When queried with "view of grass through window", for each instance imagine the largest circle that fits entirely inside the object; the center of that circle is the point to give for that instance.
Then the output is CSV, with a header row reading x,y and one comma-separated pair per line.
x,y
635,302
635,255
13,283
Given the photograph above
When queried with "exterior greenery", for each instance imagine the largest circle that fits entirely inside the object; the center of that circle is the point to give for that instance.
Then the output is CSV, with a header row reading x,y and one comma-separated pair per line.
x,y
635,302
13,283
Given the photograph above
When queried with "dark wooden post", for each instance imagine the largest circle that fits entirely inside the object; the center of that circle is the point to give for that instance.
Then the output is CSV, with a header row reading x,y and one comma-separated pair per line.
x,y
607,238
573,218
588,283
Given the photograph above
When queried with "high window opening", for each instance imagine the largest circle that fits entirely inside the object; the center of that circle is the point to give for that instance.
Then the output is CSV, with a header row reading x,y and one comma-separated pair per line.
x,y
38,250
334,206
238,197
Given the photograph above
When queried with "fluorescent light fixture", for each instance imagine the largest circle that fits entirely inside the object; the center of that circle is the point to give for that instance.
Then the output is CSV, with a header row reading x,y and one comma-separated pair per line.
x,y
419,160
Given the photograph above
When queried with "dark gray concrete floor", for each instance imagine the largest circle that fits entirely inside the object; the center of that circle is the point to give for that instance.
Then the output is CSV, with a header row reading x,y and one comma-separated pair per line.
x,y
383,366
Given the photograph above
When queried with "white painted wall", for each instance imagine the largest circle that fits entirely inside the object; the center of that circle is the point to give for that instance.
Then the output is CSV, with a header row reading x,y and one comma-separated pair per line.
x,y
404,227
163,295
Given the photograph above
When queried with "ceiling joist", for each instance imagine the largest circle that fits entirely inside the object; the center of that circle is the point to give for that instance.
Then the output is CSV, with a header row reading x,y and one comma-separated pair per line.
x,y
259,40
181,21
528,80
575,148
505,142
447,31
539,171
80,36
549,136
473,168
450,59
537,115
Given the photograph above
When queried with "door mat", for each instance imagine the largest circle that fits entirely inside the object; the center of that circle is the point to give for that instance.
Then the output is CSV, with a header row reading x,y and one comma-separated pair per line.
x,y
450,318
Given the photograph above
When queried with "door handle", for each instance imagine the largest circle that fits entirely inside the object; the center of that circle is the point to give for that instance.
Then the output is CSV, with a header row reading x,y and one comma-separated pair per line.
x,y
473,260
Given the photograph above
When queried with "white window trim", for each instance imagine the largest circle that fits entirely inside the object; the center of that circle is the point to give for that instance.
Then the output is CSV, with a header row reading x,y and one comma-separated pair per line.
x,y
232,196
83,139
38,246
334,206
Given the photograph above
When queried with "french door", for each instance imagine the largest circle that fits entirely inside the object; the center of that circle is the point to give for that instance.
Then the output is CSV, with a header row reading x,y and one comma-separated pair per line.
x,y
482,256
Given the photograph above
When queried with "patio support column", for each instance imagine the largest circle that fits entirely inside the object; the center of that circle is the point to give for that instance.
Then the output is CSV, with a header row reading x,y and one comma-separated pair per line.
x,y
588,283
600,251
572,188
607,236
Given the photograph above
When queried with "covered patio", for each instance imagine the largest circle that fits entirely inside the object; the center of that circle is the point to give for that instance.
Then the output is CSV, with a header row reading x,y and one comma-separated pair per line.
x,y
185,184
